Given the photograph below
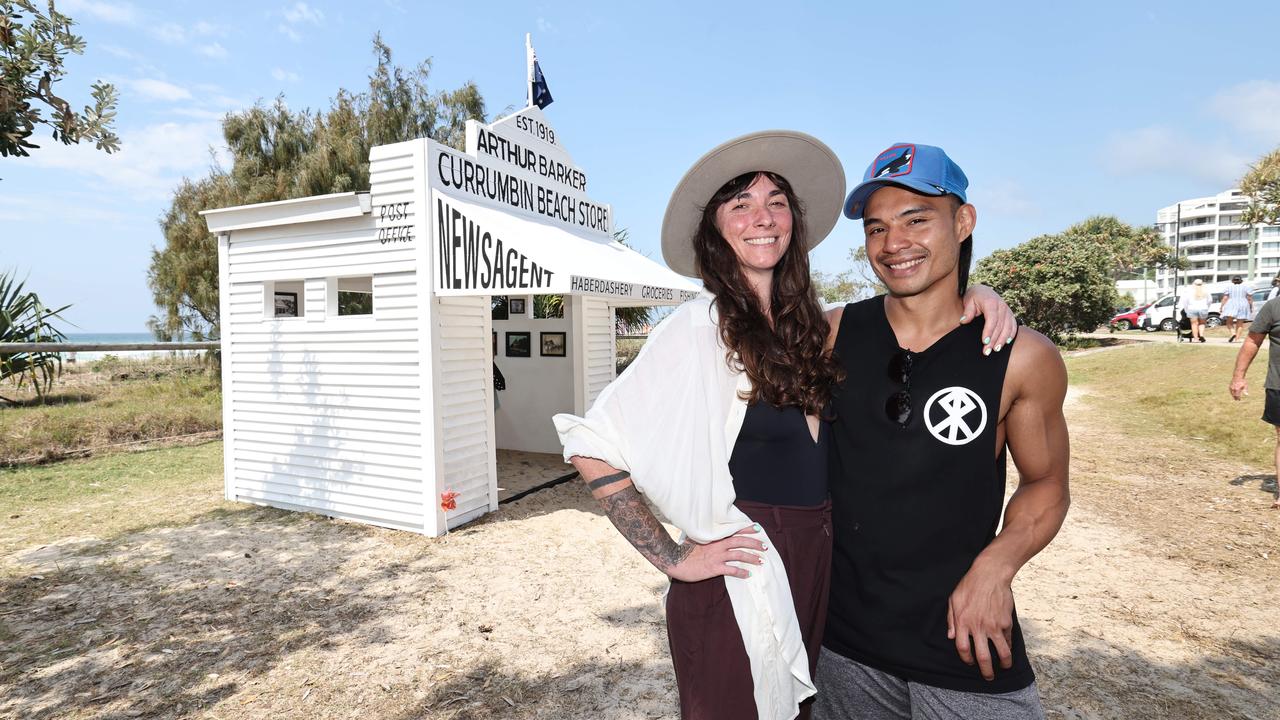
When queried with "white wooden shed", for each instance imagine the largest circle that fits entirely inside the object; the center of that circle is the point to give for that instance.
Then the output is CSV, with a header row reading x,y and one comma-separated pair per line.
x,y
358,332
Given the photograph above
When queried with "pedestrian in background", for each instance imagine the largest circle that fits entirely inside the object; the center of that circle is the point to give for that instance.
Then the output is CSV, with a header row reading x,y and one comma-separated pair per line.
x,y
1196,305
1237,306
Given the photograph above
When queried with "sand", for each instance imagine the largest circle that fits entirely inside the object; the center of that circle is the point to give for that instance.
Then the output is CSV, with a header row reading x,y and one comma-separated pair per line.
x,y
1158,599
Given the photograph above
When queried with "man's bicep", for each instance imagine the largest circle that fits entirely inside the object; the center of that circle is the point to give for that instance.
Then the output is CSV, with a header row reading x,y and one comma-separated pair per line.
x,y
1035,427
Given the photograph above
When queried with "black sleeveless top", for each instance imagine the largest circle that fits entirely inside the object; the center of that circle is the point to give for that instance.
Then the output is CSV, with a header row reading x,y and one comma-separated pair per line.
x,y
913,505
775,459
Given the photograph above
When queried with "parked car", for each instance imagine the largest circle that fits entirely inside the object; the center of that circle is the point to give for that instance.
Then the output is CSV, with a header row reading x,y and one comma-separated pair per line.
x,y
1128,319
1160,315
1215,304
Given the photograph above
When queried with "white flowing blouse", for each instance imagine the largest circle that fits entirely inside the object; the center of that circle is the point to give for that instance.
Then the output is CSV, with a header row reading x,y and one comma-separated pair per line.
x,y
671,420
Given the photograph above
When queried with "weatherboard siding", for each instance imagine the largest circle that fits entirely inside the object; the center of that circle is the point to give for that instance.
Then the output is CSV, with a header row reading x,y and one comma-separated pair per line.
x,y
463,402
598,339
326,412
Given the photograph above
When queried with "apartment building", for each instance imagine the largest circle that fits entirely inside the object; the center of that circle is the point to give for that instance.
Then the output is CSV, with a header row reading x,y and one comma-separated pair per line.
x,y
1209,233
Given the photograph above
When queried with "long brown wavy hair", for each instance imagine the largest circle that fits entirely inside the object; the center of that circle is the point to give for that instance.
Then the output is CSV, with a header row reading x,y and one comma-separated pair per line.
x,y
787,363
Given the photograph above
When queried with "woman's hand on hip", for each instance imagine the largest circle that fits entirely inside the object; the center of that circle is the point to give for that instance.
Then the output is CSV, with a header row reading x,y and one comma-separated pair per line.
x,y
705,561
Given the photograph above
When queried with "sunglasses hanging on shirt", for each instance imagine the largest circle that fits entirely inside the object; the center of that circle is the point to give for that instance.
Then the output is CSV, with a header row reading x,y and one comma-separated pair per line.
x,y
898,407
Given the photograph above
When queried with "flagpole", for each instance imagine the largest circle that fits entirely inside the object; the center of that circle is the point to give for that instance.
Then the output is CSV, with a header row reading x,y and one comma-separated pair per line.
x,y
528,60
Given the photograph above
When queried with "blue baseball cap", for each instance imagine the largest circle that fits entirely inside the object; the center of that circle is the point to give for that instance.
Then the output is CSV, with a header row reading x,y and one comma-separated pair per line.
x,y
923,168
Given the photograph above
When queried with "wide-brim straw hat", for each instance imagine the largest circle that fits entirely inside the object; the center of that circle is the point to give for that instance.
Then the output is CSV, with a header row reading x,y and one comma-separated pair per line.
x,y
814,171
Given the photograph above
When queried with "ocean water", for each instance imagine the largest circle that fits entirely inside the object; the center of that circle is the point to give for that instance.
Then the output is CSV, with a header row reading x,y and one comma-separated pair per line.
x,y
136,337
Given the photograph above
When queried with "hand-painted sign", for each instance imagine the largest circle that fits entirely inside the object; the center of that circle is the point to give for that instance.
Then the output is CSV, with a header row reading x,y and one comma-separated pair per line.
x,y
615,288
394,221
490,144
511,188
526,141
533,125
472,256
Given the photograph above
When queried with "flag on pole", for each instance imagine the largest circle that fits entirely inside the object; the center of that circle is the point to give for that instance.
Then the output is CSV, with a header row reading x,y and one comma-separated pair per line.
x,y
539,94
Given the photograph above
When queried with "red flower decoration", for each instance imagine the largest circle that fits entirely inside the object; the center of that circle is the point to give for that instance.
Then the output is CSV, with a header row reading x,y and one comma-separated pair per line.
x,y
449,500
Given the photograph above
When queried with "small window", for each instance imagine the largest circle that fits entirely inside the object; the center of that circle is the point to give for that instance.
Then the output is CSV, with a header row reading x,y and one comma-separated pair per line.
x,y
355,296
286,299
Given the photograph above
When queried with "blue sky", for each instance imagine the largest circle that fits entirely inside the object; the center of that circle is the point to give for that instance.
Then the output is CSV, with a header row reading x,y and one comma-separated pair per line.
x,y
1055,111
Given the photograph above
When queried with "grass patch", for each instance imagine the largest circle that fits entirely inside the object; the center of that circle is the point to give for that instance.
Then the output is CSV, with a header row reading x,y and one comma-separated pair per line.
x,y
1078,342
109,402
1160,391
108,496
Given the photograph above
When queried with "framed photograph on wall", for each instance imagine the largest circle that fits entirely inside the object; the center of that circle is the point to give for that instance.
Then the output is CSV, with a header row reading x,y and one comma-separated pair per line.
x,y
495,343
286,304
518,344
516,306
498,307
553,344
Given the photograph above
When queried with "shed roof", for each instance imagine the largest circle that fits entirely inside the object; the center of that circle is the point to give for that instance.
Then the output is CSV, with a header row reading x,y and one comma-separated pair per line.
x,y
570,263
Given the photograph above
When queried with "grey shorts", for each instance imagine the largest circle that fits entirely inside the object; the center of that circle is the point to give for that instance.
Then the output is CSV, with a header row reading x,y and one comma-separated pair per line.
x,y
1271,410
849,689
1201,314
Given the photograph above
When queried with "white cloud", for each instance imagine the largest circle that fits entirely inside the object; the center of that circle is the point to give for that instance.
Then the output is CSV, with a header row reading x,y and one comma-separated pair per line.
x,y
545,25
39,207
151,161
118,13
1251,107
120,52
159,90
126,14
171,33
298,14
1004,198
284,75
1160,149
215,51
207,28
199,113
302,12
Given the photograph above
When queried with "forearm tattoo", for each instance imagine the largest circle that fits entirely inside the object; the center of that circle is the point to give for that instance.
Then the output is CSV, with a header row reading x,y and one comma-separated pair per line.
x,y
607,480
633,518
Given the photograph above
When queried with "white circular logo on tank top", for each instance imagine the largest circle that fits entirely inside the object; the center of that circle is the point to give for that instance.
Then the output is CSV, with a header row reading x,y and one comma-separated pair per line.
x,y
947,415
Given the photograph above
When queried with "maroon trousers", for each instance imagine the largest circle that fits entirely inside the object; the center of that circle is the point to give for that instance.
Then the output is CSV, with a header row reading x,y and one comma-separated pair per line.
x,y
713,673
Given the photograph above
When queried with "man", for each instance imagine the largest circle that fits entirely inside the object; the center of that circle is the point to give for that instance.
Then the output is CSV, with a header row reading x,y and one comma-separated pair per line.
x,y
921,620
1266,324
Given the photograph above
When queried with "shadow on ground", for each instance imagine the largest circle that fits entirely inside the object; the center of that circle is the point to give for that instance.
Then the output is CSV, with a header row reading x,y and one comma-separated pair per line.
x,y
144,625
1266,483
578,690
1100,680
74,398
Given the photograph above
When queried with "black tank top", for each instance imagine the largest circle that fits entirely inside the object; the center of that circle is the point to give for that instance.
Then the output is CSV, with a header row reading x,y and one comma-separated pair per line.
x,y
775,459
913,506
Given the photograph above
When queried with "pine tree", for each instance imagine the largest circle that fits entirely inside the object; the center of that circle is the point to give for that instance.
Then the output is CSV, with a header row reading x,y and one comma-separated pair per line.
x,y
279,154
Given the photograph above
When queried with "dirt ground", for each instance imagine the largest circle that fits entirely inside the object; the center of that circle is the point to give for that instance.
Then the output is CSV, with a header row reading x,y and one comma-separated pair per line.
x,y
1159,599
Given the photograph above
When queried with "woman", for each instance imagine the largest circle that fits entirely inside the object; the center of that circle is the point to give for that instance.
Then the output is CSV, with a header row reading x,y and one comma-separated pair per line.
x,y
1237,306
1196,306
718,422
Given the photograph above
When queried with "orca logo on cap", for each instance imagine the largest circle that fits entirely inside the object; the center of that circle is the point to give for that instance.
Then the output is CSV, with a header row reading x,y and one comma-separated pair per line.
x,y
893,162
